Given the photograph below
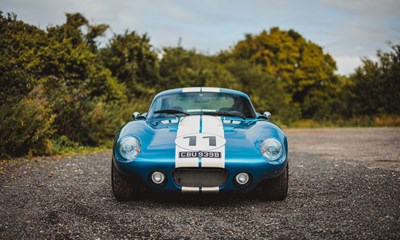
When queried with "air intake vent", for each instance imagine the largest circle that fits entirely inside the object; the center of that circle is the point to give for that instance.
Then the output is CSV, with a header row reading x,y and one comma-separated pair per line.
x,y
200,177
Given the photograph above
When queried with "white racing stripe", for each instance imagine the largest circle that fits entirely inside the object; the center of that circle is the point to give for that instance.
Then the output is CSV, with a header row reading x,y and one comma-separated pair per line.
x,y
201,89
200,135
213,126
210,89
187,126
191,89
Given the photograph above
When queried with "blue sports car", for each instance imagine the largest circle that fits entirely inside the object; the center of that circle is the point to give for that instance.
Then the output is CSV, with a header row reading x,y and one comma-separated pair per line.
x,y
200,140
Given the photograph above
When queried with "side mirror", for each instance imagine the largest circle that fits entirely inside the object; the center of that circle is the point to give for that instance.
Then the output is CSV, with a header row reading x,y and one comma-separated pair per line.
x,y
135,115
267,115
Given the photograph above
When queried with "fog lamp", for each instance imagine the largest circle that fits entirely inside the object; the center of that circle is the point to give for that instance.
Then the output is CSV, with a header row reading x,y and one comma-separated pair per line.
x,y
242,178
157,177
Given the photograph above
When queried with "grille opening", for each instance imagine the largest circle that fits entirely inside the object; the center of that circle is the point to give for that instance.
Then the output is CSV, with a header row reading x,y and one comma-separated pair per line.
x,y
200,177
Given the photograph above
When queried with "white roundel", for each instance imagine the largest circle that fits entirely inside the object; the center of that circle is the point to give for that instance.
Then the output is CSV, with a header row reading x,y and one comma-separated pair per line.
x,y
200,142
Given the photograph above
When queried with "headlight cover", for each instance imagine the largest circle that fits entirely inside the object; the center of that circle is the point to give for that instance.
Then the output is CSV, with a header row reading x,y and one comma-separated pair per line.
x,y
271,149
129,148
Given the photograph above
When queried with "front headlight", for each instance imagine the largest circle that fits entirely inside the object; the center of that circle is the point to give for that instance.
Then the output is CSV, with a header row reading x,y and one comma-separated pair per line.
x,y
271,149
129,148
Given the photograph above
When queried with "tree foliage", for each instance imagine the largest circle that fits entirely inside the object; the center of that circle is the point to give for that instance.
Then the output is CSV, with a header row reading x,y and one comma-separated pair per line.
x,y
19,46
133,62
376,84
62,64
59,89
299,66
185,68
26,123
266,93
74,80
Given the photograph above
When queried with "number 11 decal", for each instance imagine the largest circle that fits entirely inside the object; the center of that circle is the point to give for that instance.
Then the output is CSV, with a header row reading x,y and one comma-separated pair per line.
x,y
212,140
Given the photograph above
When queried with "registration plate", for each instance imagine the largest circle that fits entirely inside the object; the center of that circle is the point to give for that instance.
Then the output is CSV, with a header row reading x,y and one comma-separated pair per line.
x,y
200,154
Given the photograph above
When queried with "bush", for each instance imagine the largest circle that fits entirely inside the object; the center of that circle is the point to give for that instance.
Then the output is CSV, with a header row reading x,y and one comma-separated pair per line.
x,y
103,119
387,121
62,144
26,127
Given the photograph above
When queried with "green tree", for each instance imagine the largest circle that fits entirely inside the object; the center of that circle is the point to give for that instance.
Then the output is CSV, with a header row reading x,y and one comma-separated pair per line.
x,y
186,68
53,86
133,62
76,83
376,88
26,120
265,92
19,47
299,66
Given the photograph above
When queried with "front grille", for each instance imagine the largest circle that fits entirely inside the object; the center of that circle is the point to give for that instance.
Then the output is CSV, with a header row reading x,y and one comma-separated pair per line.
x,y
200,177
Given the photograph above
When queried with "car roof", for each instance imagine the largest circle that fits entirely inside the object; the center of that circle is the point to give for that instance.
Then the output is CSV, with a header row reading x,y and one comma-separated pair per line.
x,y
202,89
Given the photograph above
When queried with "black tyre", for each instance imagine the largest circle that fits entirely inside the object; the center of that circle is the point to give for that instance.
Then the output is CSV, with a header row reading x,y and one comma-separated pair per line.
x,y
123,190
276,189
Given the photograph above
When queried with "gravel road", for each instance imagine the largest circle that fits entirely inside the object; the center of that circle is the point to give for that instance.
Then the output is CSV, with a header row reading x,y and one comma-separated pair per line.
x,y
344,184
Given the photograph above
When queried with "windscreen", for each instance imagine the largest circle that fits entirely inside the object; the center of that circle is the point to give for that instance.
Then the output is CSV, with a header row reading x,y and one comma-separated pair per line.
x,y
202,103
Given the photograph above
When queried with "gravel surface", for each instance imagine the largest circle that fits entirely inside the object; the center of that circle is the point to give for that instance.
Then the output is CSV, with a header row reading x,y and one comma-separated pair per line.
x,y
344,184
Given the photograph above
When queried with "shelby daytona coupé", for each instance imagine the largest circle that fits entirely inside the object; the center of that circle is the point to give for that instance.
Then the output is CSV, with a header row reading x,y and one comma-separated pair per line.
x,y
200,140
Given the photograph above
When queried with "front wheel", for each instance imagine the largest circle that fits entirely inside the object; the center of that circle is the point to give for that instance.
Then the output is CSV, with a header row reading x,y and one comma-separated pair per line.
x,y
123,190
276,189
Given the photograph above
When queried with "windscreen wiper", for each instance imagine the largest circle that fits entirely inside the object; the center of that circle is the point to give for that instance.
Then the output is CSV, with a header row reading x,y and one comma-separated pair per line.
x,y
172,111
231,113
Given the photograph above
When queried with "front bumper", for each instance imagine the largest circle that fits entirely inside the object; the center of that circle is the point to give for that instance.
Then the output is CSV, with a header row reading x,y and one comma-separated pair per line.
x,y
141,169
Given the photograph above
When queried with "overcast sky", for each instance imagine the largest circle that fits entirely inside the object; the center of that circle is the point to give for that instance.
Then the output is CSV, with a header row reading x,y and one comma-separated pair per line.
x,y
347,29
